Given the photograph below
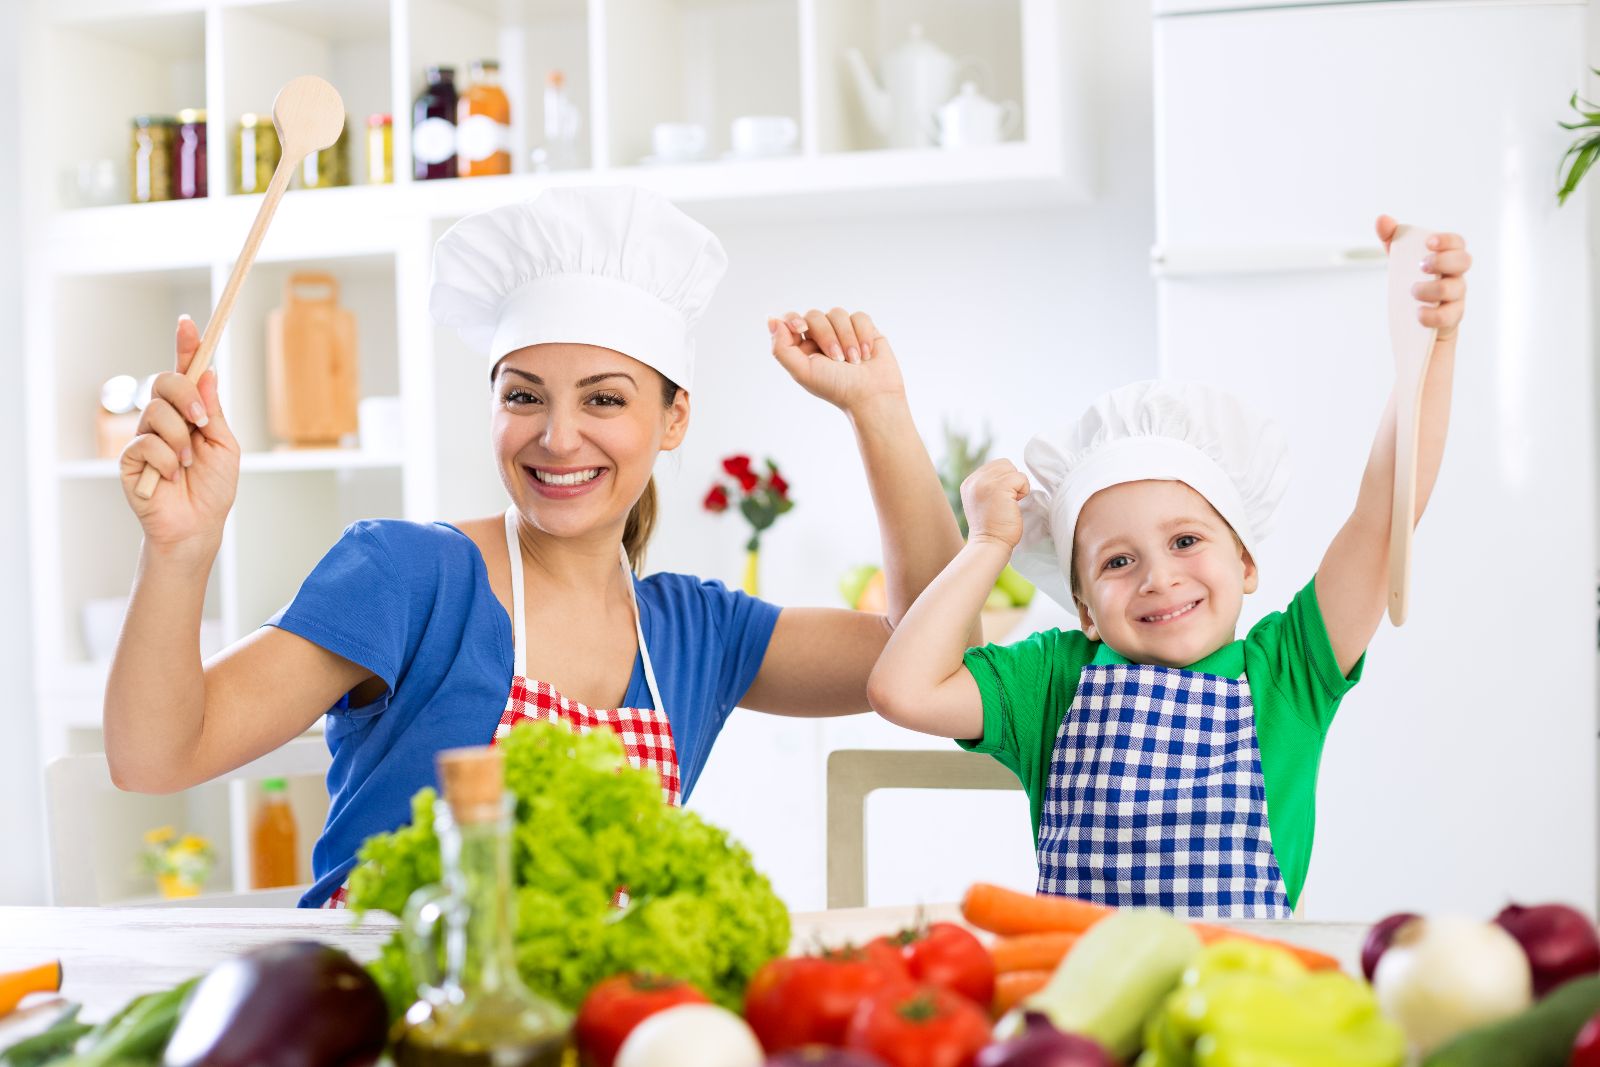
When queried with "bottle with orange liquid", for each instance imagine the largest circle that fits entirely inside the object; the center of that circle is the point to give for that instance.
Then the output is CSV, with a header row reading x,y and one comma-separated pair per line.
x,y
274,860
483,124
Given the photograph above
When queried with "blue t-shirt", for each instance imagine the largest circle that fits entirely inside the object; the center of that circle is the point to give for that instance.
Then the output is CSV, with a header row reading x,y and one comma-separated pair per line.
x,y
411,603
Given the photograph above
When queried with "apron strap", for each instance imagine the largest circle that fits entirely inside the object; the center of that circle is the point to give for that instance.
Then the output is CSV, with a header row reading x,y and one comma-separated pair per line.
x,y
520,660
514,549
638,626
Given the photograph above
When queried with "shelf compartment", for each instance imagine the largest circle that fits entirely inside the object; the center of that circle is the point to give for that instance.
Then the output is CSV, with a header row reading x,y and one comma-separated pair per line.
x,y
266,45
699,62
983,37
99,554
113,324
530,38
157,63
366,288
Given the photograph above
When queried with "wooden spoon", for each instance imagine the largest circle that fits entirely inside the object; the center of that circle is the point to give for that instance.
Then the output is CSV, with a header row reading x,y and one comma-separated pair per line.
x,y
309,116
1413,348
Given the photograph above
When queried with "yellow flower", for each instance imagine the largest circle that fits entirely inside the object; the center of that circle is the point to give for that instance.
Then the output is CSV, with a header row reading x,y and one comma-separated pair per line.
x,y
193,843
160,835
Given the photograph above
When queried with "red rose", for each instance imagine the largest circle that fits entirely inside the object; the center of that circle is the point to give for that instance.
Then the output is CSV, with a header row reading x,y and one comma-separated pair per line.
x,y
779,486
716,500
738,466
747,480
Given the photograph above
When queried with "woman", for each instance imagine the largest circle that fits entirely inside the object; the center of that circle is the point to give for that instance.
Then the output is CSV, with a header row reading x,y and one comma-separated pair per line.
x,y
415,637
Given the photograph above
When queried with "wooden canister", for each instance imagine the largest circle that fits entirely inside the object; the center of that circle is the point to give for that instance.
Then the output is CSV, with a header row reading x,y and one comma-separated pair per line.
x,y
312,382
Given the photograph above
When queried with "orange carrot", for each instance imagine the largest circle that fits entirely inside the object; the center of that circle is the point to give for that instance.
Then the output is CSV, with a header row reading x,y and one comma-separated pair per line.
x,y
45,978
1031,952
1011,987
1008,913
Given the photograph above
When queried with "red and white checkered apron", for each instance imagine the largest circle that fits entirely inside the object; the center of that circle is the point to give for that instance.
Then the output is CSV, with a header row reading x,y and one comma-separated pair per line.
x,y
645,732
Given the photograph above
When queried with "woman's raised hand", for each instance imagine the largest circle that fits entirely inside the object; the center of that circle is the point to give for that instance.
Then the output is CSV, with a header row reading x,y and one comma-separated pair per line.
x,y
837,355
184,436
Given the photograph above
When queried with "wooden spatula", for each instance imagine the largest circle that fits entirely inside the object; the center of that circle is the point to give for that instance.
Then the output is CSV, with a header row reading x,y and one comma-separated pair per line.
x,y
1413,348
309,116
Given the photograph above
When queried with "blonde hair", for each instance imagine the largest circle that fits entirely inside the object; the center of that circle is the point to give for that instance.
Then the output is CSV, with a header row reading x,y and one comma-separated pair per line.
x,y
640,525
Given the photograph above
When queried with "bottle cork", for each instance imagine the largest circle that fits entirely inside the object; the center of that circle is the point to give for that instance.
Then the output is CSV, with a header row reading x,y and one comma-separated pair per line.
x,y
473,781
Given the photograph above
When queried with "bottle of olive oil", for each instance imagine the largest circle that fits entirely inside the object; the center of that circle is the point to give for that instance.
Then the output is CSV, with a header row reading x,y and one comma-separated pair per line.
x,y
473,1009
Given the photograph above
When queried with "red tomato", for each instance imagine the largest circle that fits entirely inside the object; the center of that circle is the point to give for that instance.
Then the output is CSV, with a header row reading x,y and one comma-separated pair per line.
x,y
945,955
1586,1049
922,1027
615,1006
808,1000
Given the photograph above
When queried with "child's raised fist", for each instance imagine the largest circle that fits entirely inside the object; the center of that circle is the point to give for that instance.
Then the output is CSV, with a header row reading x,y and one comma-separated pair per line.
x,y
992,497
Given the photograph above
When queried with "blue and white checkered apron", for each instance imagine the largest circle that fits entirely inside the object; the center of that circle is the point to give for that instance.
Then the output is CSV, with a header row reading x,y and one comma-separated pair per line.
x,y
1156,797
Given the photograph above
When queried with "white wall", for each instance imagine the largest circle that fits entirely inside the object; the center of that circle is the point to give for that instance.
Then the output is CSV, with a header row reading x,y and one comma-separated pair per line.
x,y
21,813
1015,319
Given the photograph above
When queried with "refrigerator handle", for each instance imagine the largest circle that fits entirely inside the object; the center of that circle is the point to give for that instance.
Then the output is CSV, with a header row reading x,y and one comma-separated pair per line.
x,y
1199,261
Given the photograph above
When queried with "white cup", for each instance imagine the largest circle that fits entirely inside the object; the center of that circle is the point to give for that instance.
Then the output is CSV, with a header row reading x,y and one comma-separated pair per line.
x,y
382,431
763,135
678,142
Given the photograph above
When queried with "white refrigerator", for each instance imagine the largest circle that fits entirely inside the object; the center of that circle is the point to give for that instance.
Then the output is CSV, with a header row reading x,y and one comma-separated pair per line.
x,y
1462,771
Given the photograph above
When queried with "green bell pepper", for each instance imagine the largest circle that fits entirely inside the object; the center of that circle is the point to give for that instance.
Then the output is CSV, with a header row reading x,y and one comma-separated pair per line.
x,y
1242,1004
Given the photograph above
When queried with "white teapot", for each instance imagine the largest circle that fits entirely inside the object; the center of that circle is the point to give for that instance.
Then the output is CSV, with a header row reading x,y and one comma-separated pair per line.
x,y
970,118
918,76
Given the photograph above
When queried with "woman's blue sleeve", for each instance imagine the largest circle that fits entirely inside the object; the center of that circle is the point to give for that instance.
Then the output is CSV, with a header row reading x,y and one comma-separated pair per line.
x,y
354,604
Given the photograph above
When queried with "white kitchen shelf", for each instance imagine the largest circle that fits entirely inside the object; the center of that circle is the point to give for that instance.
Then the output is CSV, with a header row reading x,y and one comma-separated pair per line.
x,y
108,282
311,459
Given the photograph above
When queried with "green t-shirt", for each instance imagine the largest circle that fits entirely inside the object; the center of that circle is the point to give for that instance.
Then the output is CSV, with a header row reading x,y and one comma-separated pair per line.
x,y
1295,685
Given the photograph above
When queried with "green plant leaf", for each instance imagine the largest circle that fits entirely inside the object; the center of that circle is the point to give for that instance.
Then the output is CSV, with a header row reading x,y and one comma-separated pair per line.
x,y
1581,163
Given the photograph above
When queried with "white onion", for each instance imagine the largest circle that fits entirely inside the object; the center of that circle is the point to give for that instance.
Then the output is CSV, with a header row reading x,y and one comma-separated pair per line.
x,y
692,1035
1444,976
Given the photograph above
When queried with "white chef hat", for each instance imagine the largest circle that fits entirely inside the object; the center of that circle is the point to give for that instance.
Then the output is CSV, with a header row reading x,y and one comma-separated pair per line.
x,y
619,267
1156,431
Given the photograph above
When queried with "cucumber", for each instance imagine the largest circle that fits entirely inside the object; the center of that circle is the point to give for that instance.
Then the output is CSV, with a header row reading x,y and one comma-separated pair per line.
x,y
1542,1036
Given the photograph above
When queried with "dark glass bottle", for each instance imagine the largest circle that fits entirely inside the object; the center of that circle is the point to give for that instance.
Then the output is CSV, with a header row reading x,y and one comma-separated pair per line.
x,y
433,127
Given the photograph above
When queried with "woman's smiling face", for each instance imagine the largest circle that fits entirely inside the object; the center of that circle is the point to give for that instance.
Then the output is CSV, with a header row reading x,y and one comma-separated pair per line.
x,y
1161,576
576,431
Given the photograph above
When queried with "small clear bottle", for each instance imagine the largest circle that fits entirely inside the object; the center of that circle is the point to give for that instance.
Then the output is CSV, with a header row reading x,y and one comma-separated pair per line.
x,y
473,1010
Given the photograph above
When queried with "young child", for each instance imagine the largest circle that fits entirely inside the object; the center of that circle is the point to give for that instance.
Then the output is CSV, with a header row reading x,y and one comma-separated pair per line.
x,y
1167,764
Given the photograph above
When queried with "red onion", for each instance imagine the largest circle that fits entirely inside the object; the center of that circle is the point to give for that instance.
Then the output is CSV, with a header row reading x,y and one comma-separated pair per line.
x,y
1560,942
1378,939
1042,1045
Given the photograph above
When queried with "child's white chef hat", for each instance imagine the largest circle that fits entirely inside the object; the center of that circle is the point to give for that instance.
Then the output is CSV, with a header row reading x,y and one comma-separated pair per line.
x,y
1148,431
619,267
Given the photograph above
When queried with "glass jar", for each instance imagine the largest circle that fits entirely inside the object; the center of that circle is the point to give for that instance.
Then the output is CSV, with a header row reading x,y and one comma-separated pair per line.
x,y
433,127
329,167
155,140
190,181
483,124
380,149
255,153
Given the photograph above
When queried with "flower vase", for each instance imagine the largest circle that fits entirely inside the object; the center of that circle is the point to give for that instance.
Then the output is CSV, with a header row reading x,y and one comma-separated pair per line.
x,y
176,886
752,571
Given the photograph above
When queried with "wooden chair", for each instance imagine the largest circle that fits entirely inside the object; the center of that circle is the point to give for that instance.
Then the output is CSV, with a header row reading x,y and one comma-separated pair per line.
x,y
854,773
79,795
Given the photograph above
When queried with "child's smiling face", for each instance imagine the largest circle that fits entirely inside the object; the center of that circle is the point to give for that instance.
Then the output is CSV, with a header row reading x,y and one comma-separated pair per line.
x,y
1158,574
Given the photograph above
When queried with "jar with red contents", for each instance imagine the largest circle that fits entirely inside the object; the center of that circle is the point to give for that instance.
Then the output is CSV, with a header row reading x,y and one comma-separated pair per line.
x,y
190,173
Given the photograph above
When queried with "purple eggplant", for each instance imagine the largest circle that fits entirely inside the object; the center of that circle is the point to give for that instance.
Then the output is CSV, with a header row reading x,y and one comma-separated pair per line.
x,y
294,1004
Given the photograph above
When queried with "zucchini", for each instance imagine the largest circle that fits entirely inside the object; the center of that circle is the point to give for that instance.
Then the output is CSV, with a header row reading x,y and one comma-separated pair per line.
x,y
1542,1036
